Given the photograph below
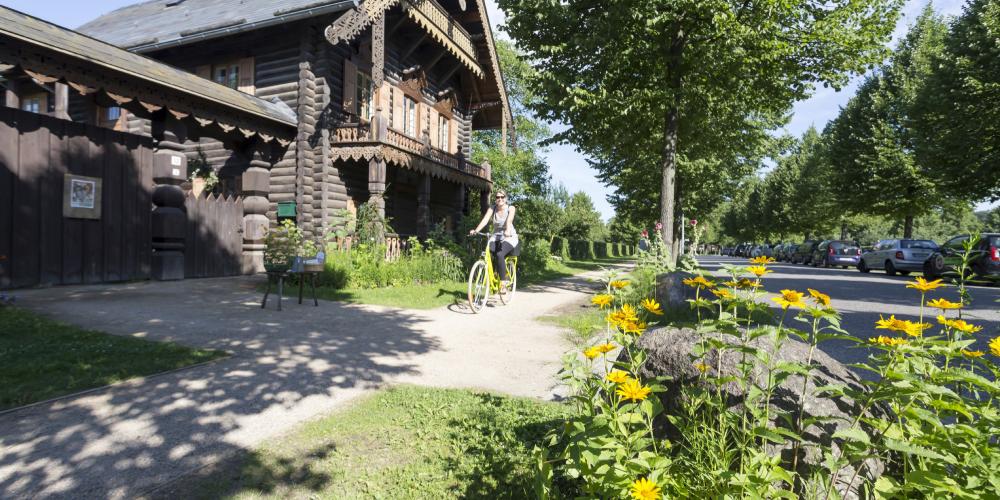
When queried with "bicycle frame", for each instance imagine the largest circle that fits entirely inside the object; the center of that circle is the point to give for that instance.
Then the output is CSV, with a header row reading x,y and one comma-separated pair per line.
x,y
490,271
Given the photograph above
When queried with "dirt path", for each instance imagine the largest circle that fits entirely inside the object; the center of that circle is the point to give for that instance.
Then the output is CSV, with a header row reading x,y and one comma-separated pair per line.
x,y
286,367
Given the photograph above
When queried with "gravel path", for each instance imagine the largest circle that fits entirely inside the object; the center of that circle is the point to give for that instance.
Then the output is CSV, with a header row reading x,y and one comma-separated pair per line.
x,y
286,367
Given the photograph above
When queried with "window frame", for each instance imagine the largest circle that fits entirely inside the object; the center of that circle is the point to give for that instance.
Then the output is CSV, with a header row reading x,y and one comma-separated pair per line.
x,y
410,123
232,70
444,133
360,103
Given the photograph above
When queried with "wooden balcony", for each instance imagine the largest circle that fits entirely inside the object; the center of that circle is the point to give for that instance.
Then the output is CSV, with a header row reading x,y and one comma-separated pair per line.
x,y
364,134
444,28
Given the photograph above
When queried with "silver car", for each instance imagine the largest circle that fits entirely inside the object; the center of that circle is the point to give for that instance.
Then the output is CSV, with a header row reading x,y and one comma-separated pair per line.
x,y
897,256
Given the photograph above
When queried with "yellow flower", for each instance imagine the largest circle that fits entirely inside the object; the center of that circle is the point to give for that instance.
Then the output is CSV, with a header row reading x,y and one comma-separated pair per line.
x,y
972,354
652,306
633,390
605,348
944,304
959,324
746,284
995,346
925,286
602,300
629,312
644,489
617,376
701,366
723,294
819,297
636,327
759,271
910,328
618,284
592,352
762,260
790,298
887,341
698,281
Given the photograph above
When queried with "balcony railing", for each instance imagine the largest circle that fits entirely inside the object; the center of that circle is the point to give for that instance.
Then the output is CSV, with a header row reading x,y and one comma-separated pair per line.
x,y
367,133
440,19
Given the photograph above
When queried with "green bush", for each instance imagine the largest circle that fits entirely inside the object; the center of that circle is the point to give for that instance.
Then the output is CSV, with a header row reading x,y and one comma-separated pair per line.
x,y
560,247
534,258
582,250
609,250
600,249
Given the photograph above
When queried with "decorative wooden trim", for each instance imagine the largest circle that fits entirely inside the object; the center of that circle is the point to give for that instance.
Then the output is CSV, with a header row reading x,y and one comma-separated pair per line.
x,y
494,59
349,25
378,51
436,21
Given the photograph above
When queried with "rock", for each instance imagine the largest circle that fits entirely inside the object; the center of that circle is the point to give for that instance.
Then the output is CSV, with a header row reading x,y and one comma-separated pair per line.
x,y
672,293
669,353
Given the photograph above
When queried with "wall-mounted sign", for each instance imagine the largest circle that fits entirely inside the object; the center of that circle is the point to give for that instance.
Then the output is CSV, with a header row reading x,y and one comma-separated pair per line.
x,y
81,197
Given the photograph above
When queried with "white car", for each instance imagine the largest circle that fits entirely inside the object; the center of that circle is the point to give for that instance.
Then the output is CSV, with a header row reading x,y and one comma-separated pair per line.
x,y
897,256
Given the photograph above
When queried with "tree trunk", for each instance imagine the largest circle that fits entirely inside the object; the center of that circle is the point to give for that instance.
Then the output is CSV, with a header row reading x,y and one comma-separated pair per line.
x,y
843,231
668,165
908,227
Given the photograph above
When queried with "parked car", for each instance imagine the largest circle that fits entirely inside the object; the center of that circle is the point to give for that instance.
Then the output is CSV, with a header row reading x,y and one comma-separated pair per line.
x,y
762,251
901,256
803,252
985,257
781,252
836,253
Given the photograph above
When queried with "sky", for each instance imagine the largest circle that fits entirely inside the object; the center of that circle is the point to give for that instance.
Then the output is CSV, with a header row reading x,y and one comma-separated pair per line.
x,y
566,164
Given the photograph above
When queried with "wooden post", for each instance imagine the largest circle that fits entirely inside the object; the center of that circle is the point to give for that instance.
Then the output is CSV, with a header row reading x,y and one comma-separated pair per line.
x,y
459,203
256,187
11,99
61,96
484,200
169,221
376,184
424,205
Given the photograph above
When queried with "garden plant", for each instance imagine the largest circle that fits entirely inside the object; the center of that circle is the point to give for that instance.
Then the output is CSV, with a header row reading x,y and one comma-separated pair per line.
x,y
922,425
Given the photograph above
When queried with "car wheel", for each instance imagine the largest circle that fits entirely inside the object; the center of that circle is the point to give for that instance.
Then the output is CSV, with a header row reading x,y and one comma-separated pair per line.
x,y
890,270
904,273
934,267
845,267
863,267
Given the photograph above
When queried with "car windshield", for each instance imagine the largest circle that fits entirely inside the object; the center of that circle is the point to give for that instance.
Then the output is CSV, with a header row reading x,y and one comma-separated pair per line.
x,y
995,241
918,244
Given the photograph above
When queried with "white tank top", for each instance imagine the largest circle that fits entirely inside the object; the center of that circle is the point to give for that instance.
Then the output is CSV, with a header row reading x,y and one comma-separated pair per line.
x,y
500,222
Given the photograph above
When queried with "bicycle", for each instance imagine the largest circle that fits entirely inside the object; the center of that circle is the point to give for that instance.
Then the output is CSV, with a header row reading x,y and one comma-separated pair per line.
x,y
484,280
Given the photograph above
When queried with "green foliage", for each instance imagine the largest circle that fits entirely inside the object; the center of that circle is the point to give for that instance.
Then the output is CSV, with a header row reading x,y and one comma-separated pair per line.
x,y
582,250
956,113
284,244
929,412
560,248
371,226
534,258
419,265
581,220
654,88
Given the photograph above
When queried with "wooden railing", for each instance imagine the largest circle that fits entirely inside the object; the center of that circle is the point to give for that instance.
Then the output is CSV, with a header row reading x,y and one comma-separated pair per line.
x,y
405,142
353,132
437,16
395,245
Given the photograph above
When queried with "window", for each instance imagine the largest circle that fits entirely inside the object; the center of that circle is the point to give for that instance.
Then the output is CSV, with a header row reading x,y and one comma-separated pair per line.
x,y
109,117
443,133
228,75
32,104
409,117
113,113
366,91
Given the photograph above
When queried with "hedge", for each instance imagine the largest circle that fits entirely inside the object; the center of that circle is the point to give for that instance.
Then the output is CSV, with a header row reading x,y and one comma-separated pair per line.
x,y
582,250
560,247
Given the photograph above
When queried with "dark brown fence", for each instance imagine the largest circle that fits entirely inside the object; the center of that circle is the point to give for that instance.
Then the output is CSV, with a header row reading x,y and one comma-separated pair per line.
x,y
38,245
214,244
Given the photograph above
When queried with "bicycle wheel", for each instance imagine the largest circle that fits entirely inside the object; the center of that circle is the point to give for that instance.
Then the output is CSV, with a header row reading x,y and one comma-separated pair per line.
x,y
479,287
512,276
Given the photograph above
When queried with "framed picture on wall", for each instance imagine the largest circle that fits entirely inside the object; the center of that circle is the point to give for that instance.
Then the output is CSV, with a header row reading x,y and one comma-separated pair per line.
x,y
81,197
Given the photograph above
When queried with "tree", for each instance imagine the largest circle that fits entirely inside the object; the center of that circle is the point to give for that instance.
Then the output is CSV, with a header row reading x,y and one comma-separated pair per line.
x,y
871,142
700,80
582,221
957,113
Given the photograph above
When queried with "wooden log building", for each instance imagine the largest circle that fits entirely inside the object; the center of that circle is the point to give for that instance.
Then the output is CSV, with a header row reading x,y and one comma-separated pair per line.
x,y
385,94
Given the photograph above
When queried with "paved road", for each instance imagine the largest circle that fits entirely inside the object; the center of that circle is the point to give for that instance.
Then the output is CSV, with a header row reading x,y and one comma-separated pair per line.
x,y
286,367
861,298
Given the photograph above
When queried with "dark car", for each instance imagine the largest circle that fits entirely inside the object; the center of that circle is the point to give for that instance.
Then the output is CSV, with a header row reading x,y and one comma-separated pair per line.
x,y
985,257
803,253
836,253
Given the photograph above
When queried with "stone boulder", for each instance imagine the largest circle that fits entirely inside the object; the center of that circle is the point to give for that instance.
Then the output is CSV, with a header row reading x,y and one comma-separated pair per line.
x,y
669,353
672,293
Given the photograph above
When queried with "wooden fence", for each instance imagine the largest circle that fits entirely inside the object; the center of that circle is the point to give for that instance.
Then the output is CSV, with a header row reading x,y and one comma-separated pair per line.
x,y
395,245
214,242
38,245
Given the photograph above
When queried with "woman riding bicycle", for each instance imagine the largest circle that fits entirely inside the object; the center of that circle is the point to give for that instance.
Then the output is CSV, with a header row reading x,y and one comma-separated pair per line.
x,y
504,240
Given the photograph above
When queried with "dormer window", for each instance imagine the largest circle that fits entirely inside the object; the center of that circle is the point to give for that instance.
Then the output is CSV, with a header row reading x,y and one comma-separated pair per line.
x,y
228,75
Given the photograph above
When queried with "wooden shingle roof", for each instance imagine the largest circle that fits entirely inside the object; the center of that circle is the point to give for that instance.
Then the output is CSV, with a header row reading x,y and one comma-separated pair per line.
x,y
156,23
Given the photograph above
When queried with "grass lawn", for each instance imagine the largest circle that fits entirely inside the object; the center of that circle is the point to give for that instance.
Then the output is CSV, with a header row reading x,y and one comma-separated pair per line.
x,y
439,294
403,442
41,359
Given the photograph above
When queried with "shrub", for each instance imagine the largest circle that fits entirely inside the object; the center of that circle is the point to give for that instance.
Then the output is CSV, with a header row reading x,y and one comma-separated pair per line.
x,y
560,247
582,250
534,258
600,249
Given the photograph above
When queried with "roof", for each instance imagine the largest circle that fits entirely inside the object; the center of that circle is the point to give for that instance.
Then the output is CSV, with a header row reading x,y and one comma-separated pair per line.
x,y
153,24
19,28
